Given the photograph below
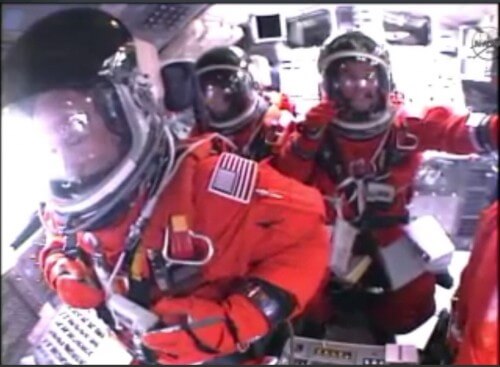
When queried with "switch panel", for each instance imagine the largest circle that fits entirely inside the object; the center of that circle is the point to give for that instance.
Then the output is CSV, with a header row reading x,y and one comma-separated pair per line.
x,y
71,338
324,352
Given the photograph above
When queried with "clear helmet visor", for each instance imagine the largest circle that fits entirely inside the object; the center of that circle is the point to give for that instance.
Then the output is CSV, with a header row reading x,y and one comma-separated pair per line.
x,y
227,92
178,80
359,87
75,138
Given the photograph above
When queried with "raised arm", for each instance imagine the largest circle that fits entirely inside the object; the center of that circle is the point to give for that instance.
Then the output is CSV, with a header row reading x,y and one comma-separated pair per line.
x,y
440,128
296,158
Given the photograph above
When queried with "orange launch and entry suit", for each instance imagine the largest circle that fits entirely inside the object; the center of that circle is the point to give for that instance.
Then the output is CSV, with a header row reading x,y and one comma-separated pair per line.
x,y
266,134
475,326
260,225
336,165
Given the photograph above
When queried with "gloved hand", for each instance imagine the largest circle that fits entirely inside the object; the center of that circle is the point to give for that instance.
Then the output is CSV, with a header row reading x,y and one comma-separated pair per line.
x,y
311,130
286,104
206,342
73,281
317,119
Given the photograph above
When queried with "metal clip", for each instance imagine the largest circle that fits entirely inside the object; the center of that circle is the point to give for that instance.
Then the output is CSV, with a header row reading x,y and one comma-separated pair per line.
x,y
171,261
409,142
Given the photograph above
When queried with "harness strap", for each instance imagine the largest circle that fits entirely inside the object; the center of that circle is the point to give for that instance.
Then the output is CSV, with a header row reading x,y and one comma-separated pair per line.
x,y
348,173
70,248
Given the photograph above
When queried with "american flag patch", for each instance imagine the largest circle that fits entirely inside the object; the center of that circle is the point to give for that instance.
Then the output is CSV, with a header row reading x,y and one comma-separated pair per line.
x,y
234,178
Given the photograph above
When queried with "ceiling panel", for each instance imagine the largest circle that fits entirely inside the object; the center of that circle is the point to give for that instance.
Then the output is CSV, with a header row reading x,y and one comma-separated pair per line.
x,y
159,23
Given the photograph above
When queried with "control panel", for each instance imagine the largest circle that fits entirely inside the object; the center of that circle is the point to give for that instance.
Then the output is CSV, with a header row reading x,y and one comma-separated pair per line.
x,y
72,337
305,351
455,189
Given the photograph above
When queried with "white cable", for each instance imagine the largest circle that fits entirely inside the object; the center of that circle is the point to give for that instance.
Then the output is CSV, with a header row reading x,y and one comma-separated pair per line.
x,y
358,193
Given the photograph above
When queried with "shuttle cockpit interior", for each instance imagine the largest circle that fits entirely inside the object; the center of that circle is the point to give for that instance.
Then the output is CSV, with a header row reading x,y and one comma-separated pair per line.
x,y
273,55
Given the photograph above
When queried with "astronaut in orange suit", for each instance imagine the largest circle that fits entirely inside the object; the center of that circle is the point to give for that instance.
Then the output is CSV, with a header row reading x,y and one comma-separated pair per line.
x,y
190,253
474,327
362,153
256,123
